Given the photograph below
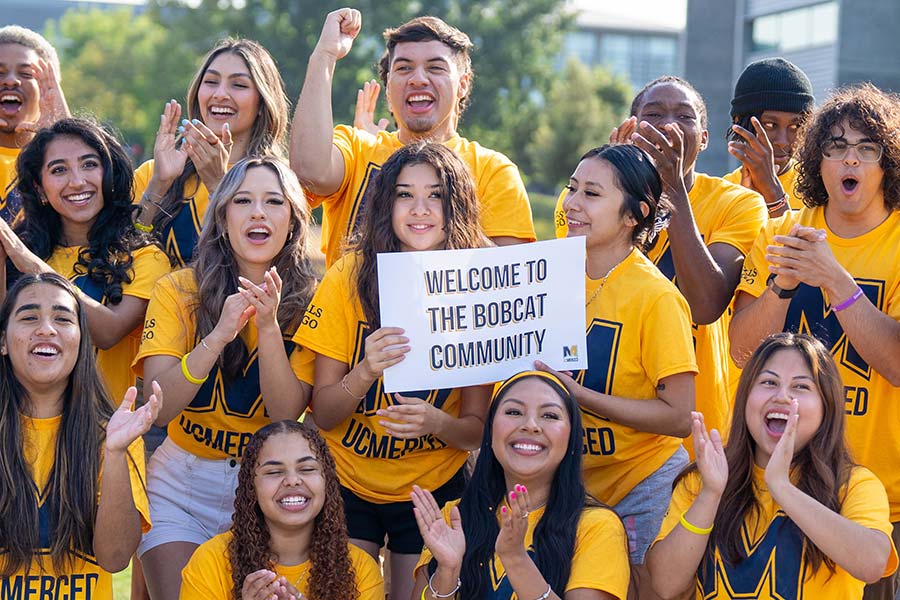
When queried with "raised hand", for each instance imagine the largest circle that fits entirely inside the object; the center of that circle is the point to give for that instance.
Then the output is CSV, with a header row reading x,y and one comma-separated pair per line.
x,y
385,347
666,148
340,29
263,298
208,151
168,157
513,524
622,134
22,258
757,159
267,585
803,256
409,419
446,542
52,103
127,425
366,102
236,311
778,471
711,461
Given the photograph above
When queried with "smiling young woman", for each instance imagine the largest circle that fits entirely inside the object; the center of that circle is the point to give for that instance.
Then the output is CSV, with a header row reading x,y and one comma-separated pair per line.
x,y
212,331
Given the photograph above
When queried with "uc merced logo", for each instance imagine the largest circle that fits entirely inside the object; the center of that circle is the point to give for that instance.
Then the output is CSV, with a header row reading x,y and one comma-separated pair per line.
x,y
570,353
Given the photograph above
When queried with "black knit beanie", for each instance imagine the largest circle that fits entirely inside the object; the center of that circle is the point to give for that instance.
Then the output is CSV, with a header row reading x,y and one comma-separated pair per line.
x,y
772,84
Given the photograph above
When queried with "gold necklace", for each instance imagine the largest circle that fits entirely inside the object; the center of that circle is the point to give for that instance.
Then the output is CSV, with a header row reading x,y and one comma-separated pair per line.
x,y
299,580
603,281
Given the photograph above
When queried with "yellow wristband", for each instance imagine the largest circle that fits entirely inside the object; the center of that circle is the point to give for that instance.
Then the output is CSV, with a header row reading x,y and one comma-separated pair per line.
x,y
693,528
187,374
142,227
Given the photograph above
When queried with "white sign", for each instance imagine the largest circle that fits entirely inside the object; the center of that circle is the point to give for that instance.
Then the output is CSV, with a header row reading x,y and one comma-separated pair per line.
x,y
479,316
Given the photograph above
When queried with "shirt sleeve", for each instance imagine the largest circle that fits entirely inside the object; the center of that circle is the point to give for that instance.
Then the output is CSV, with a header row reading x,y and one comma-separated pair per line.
x,y
741,222
601,533
326,330
755,271
865,502
505,209
142,177
150,264
205,576
369,582
683,497
667,347
165,326
344,138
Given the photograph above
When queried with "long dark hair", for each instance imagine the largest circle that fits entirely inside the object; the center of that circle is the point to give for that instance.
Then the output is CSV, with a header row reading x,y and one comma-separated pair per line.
x,y
331,574
269,129
377,235
823,465
554,535
112,239
70,496
639,182
216,271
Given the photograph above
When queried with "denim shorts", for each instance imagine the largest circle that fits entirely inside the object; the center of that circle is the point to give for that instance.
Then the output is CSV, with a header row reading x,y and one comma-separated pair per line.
x,y
191,498
644,508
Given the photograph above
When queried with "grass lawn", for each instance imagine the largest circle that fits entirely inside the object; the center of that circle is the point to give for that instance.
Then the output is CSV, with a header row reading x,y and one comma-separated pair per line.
x,y
122,584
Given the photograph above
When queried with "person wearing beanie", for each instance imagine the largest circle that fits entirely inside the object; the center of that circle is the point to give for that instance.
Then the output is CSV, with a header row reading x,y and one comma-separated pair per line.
x,y
771,99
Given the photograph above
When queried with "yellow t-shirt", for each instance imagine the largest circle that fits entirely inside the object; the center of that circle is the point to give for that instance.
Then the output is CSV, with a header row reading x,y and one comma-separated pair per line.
x,y
872,404
222,417
86,580
638,332
371,463
724,213
149,264
788,181
10,201
505,210
600,560
207,575
773,545
180,237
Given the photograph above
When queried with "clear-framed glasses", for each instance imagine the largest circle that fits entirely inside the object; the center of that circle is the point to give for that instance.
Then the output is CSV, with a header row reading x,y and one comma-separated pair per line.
x,y
868,152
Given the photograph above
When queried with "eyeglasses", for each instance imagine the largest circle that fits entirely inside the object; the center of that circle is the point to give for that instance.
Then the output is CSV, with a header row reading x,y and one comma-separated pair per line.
x,y
868,152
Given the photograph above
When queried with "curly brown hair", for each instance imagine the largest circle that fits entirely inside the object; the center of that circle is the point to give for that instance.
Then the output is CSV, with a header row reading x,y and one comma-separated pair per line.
x,y
331,574
867,109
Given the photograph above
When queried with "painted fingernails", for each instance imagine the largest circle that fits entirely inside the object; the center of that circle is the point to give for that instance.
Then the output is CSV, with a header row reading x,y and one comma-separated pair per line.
x,y
184,121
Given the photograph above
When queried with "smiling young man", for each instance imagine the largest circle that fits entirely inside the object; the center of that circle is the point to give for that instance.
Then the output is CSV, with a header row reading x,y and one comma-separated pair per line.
x,y
771,100
427,75
832,270
21,83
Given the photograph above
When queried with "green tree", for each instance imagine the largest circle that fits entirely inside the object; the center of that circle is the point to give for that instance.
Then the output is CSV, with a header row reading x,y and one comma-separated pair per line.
x,y
582,107
120,67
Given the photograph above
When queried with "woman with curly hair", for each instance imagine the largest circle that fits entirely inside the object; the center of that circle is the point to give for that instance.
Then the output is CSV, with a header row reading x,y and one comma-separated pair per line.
x,y
75,180
236,107
212,331
288,539
832,269
782,506
72,497
525,526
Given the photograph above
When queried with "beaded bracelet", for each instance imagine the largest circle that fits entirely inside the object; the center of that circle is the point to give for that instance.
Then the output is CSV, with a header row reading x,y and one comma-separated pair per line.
x,y
187,374
849,301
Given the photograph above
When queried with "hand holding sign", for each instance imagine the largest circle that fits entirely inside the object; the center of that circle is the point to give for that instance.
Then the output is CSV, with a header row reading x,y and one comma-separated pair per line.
x,y
384,348
411,418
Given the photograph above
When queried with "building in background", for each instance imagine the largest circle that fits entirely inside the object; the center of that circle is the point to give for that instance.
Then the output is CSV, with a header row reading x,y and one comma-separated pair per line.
x,y
631,40
836,42
34,14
